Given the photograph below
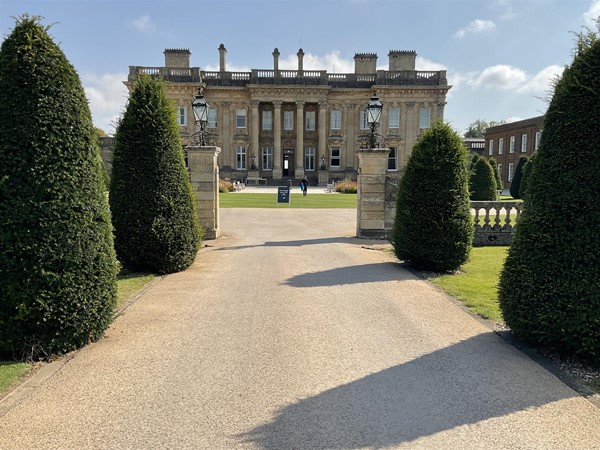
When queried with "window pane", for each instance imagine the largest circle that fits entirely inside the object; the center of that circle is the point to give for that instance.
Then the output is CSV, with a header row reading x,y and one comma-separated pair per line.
x,y
394,118
500,146
336,120
393,159
511,145
335,157
182,119
240,118
491,147
363,121
310,120
523,143
212,118
309,159
240,163
425,118
288,120
267,120
267,158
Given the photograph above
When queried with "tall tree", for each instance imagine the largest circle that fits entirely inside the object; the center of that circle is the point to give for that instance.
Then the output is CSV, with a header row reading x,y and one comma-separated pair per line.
x,y
515,184
153,206
58,266
494,164
477,128
482,182
549,288
433,227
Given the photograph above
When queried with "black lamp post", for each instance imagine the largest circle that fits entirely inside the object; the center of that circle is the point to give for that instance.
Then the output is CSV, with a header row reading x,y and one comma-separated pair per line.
x,y
374,108
200,107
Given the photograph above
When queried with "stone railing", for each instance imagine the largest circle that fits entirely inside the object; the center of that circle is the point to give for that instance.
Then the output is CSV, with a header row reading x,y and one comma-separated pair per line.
x,y
495,222
173,74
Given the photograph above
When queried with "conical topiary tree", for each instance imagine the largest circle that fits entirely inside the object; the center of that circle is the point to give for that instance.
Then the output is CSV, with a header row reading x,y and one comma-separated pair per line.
x,y
549,288
153,206
515,184
525,177
57,264
497,177
433,226
482,182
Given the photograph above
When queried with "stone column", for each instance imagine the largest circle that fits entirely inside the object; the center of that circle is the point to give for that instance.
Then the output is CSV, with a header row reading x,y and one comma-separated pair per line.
x,y
277,171
322,174
440,111
370,220
254,150
299,140
350,144
204,175
228,158
410,134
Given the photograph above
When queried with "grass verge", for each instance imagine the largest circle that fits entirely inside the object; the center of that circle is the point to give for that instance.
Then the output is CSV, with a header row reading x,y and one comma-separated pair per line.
x,y
12,372
318,201
477,283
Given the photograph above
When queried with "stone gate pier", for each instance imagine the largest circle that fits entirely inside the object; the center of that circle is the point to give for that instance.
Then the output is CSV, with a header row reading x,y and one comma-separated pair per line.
x,y
204,175
371,201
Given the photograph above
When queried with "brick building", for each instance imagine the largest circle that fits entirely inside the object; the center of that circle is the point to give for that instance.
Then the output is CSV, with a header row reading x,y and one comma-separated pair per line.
x,y
508,142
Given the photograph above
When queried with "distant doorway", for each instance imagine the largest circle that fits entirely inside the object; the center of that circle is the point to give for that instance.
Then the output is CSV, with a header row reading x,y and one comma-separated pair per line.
x,y
288,162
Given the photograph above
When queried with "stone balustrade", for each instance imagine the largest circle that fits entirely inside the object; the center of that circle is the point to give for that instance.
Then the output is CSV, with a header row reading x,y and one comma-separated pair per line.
x,y
495,222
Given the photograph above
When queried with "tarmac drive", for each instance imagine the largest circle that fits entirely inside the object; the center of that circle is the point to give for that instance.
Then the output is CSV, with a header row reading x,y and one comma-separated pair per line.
x,y
289,333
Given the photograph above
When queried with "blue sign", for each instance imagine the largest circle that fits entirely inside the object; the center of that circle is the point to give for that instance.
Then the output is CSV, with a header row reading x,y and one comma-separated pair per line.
x,y
283,195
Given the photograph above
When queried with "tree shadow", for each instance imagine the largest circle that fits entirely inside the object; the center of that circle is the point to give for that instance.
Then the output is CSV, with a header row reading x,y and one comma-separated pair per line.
x,y
300,243
466,383
364,273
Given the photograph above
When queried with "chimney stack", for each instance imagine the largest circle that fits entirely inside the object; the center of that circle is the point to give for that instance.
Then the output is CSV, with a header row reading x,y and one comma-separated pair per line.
x,y
177,57
222,53
276,59
300,61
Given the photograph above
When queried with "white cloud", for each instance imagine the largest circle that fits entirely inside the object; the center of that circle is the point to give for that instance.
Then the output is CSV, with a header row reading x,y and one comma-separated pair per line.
x,y
501,77
475,27
427,65
540,83
332,62
592,15
107,97
143,24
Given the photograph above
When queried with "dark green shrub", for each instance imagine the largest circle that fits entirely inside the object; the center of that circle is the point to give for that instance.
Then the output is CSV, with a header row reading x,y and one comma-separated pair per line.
x,y
525,177
482,182
497,177
58,267
515,184
473,161
549,288
153,206
433,227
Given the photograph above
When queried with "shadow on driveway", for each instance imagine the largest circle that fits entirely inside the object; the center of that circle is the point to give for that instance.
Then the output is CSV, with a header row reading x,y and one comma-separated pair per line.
x,y
364,273
466,383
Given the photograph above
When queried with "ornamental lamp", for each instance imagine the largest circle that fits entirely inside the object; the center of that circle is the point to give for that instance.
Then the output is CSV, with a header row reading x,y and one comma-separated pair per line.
x,y
200,107
374,108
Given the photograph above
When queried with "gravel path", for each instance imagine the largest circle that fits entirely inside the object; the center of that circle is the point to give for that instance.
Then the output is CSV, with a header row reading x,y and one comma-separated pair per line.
x,y
288,333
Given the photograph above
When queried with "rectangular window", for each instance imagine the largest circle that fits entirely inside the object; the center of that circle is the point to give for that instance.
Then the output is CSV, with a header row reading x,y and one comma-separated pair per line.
x,y
336,120
523,143
309,159
240,118
425,118
310,120
511,145
288,120
363,121
267,158
240,157
181,116
538,138
267,120
393,159
500,170
212,118
394,118
500,146
335,158
511,168
491,147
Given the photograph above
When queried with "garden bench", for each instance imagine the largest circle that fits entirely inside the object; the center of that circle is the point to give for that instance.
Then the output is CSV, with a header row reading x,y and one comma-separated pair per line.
x,y
256,180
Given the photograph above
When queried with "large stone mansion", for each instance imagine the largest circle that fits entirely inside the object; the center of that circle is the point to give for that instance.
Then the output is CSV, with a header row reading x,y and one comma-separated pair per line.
x,y
289,123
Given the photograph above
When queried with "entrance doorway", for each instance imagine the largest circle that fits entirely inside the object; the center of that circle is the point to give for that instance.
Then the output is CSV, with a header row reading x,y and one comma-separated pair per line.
x,y
288,162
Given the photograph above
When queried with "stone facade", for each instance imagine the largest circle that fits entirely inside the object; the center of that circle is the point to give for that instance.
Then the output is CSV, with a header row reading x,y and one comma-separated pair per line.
x,y
300,122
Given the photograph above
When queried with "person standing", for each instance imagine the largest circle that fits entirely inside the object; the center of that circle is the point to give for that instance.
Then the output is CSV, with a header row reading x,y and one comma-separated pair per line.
x,y
304,186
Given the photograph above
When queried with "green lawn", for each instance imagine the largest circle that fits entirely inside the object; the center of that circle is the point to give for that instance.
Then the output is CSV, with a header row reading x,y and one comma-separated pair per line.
x,y
127,285
476,285
239,200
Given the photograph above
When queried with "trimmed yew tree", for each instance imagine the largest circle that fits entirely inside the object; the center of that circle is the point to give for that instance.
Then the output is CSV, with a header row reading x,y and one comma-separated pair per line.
x,y
482,182
151,198
515,184
549,288
497,177
433,226
57,265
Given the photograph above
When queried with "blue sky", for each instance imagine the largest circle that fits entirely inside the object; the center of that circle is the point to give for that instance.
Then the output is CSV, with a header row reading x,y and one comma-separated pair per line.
x,y
499,54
